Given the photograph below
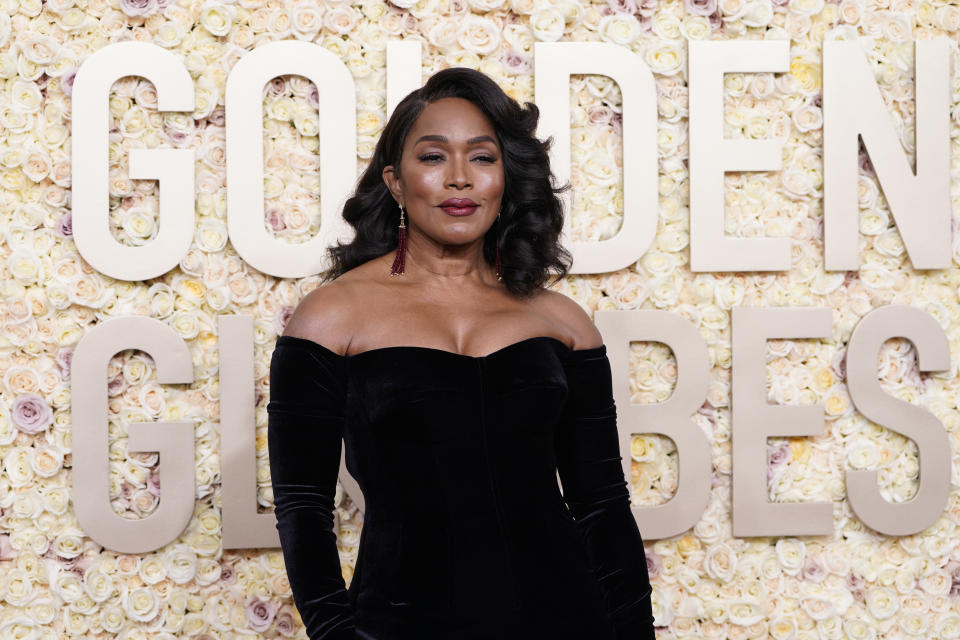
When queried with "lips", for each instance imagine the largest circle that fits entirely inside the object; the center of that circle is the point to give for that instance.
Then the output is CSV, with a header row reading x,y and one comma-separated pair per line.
x,y
459,206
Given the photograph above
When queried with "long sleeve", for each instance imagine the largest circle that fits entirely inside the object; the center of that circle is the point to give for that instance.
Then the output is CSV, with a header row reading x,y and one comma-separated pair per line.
x,y
589,463
306,416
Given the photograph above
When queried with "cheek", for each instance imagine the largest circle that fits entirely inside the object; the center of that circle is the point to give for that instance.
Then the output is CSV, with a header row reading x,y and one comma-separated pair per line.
x,y
491,182
425,184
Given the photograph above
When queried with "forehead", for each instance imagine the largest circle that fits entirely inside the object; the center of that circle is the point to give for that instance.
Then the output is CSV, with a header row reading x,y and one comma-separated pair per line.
x,y
455,118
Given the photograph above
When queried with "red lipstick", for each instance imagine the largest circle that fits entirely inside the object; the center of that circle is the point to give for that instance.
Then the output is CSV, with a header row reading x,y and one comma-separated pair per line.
x,y
459,206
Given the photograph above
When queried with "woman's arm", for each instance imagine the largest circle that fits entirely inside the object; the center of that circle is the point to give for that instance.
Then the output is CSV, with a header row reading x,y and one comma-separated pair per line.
x,y
306,416
589,463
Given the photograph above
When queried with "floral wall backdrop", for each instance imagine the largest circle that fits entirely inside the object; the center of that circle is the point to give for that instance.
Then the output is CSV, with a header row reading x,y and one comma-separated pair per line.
x,y
55,582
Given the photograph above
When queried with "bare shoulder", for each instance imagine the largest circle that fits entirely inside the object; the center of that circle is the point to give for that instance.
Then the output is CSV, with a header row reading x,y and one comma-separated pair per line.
x,y
324,316
568,313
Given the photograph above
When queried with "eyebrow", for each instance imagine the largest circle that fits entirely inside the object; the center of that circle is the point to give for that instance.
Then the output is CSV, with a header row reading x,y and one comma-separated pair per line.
x,y
439,138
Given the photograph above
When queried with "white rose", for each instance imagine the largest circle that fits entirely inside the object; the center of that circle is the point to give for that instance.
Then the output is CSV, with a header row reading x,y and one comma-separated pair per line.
x,y
66,585
806,7
851,11
19,588
56,500
758,13
547,24
139,224
25,265
600,168
664,57
25,96
857,629
948,17
882,602
46,462
341,19
948,626
208,571
152,569
187,324
217,18
478,35
98,584
141,604
745,612
619,28
483,6
181,563
808,118
695,27
791,553
17,466
818,608
305,20
69,544
720,562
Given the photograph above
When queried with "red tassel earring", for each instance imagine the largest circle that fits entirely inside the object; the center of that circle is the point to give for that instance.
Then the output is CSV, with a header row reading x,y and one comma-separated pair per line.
x,y
398,261
499,272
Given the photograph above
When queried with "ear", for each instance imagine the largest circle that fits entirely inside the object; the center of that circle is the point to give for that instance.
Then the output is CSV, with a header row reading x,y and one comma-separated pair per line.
x,y
392,181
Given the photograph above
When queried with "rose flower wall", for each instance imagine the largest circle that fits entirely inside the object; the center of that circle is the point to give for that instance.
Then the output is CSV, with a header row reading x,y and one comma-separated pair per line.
x,y
59,581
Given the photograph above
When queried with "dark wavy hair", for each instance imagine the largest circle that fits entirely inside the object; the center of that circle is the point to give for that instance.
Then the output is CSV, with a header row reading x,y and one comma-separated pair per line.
x,y
531,216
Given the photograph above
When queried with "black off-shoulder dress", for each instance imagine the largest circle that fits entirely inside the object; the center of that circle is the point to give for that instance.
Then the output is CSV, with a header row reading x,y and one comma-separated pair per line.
x,y
466,535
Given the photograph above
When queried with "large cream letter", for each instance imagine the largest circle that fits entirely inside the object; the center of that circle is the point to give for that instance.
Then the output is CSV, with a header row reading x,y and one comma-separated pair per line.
x,y
670,417
916,423
754,420
90,157
174,440
243,527
553,64
338,155
853,109
711,155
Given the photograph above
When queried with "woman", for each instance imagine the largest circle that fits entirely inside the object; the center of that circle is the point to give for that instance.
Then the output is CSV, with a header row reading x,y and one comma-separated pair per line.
x,y
461,388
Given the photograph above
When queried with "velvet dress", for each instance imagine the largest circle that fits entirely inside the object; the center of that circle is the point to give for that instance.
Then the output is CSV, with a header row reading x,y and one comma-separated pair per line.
x,y
465,535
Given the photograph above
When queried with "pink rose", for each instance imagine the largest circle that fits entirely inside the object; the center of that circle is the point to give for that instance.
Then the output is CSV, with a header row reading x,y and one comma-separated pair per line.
x,y
622,6
654,563
285,621
64,358
7,552
813,571
700,7
139,8
66,82
260,614
153,483
217,117
516,62
65,225
600,114
31,413
275,219
776,458
276,88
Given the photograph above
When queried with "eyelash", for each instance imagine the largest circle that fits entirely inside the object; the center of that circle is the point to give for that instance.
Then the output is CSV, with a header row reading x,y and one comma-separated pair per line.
x,y
426,157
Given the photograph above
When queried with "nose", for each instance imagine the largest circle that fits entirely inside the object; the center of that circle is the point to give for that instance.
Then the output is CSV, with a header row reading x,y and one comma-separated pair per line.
x,y
459,171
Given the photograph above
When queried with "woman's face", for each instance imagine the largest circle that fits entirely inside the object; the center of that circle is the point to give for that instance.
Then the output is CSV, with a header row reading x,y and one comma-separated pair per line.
x,y
450,152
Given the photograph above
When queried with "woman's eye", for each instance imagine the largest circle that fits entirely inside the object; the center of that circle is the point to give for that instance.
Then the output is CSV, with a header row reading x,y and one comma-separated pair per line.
x,y
430,157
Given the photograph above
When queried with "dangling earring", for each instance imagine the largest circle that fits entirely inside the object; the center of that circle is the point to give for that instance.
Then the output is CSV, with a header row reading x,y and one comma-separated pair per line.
x,y
398,261
499,272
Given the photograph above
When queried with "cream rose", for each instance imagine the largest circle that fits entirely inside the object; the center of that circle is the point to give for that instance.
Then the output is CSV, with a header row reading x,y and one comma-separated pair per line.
x,y
478,35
